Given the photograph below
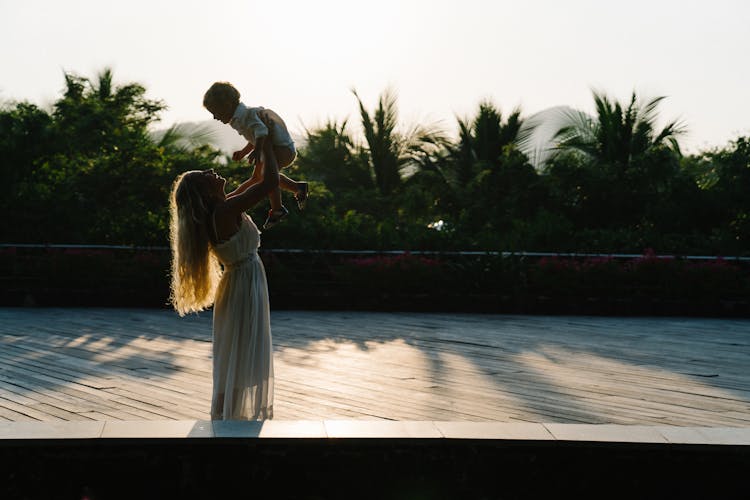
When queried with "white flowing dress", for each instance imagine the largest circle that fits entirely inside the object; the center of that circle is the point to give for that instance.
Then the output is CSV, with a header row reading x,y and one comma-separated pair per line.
x,y
242,350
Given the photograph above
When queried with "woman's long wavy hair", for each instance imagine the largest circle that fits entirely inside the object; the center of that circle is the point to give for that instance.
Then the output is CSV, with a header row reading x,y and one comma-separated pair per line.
x,y
195,269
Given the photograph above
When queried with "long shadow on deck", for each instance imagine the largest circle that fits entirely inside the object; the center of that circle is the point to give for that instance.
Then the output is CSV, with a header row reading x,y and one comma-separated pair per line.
x,y
508,352
513,354
47,350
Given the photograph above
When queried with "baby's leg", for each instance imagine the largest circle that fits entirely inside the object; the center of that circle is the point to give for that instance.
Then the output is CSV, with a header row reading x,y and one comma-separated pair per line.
x,y
286,184
275,198
285,156
277,212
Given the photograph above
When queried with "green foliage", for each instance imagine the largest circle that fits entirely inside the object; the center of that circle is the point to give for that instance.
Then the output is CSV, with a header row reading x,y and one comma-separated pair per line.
x,y
618,135
88,170
724,177
388,150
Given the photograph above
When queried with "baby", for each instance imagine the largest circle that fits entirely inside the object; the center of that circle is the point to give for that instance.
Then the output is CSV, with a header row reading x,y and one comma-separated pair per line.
x,y
257,125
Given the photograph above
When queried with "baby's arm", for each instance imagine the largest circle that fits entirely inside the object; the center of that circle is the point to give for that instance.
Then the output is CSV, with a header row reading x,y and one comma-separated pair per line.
x,y
238,155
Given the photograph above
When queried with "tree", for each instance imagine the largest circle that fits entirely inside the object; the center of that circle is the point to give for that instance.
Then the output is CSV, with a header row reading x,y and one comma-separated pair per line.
x,y
90,171
390,151
490,134
482,140
95,114
618,135
491,182
624,163
25,133
723,175
329,156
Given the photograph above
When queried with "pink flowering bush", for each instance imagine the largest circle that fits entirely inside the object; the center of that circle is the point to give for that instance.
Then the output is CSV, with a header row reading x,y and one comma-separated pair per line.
x,y
568,276
393,273
648,276
404,262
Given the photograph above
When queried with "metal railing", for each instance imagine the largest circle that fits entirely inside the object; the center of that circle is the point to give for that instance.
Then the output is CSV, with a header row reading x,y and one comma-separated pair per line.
x,y
390,252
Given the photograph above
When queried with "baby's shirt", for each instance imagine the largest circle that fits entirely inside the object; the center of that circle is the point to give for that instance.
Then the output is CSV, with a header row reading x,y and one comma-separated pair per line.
x,y
246,121
248,124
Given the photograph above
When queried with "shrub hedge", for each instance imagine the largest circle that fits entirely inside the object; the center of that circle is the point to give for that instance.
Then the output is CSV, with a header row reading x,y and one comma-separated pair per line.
x,y
647,284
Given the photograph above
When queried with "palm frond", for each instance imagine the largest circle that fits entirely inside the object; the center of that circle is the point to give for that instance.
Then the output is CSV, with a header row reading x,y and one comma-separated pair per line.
x,y
529,143
572,123
74,86
510,129
382,140
185,137
103,86
619,133
648,110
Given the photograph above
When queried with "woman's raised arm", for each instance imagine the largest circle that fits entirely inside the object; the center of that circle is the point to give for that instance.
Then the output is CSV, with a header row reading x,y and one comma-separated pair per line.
x,y
269,181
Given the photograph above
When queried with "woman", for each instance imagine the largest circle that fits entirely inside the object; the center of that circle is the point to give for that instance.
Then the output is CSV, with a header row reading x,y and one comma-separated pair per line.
x,y
209,227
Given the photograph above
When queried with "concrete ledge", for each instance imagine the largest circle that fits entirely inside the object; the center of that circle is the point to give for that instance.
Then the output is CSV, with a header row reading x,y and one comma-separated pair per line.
x,y
374,429
324,459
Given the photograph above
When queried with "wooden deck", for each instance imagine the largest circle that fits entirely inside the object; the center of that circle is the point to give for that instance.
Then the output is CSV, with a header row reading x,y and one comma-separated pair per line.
x,y
139,364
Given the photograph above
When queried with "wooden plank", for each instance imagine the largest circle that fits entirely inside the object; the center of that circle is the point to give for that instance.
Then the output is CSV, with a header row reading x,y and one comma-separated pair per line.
x,y
157,412
609,374
359,377
356,365
109,376
65,377
28,411
159,400
14,416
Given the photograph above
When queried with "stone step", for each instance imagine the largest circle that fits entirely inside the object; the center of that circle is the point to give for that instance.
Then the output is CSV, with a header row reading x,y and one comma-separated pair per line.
x,y
376,429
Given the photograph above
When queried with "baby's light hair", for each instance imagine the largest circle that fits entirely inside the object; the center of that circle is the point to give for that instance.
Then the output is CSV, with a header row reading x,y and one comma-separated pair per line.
x,y
221,92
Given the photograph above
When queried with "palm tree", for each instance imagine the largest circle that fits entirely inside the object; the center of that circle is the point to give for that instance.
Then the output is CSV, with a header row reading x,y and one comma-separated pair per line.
x,y
329,155
391,152
483,139
490,135
618,134
618,163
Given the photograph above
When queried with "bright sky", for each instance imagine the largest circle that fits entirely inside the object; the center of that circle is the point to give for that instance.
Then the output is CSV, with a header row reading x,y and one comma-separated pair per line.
x,y
302,57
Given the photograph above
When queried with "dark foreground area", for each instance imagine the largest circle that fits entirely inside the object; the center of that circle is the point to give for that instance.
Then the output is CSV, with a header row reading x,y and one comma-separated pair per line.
x,y
366,468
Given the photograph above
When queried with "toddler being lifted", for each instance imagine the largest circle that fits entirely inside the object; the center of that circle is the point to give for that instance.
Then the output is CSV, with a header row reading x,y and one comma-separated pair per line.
x,y
258,124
